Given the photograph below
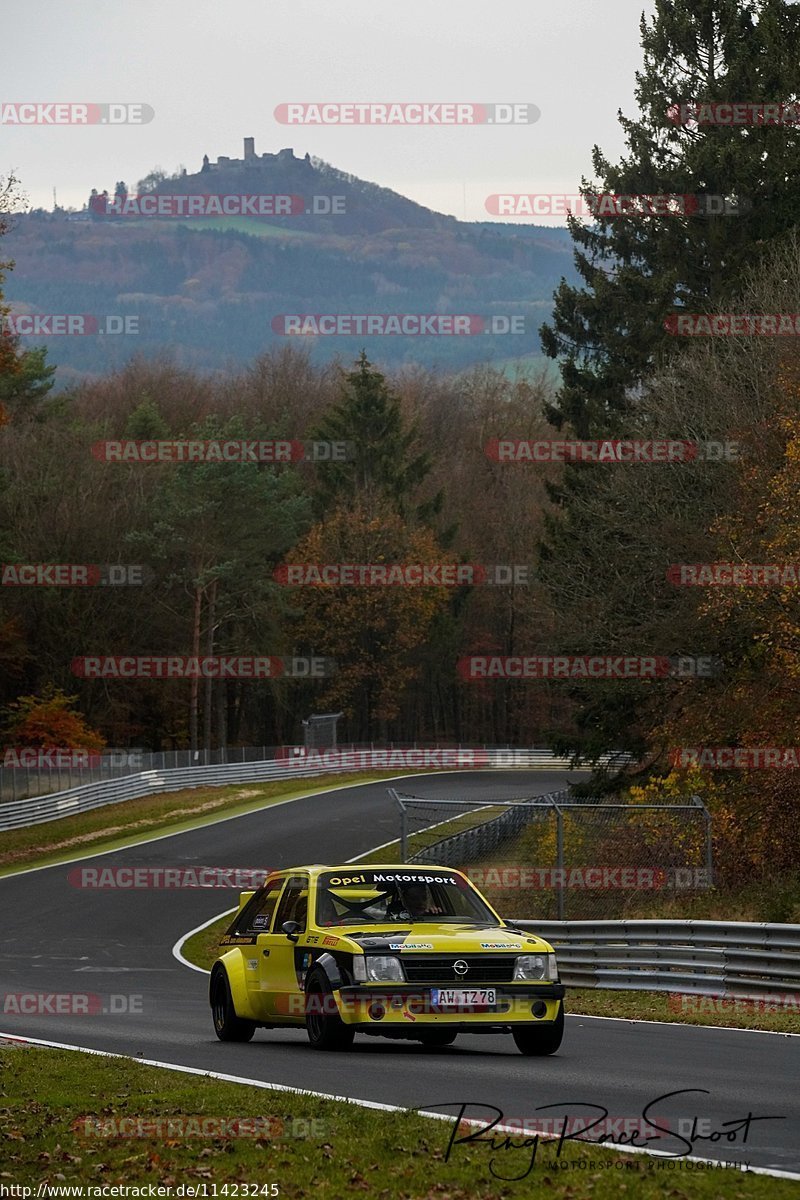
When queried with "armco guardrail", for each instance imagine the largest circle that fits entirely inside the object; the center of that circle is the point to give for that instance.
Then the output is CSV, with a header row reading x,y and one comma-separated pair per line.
x,y
710,958
37,809
27,772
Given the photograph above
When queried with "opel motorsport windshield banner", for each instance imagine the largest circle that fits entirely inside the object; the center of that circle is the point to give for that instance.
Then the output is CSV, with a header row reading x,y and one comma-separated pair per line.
x,y
377,879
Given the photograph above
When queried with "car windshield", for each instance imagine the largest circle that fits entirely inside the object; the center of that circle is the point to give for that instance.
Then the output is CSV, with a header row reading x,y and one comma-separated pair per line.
x,y
381,897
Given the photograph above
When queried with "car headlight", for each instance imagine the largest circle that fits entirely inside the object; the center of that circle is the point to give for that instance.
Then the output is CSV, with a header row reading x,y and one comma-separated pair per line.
x,y
384,968
536,966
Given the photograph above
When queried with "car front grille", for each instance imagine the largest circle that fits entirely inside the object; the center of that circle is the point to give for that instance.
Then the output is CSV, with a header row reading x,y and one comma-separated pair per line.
x,y
438,968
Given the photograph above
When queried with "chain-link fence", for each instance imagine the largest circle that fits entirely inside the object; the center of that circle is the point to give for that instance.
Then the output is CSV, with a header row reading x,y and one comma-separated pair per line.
x,y
553,856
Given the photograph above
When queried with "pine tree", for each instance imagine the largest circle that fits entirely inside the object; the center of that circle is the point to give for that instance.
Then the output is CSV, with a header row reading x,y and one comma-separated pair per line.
x,y
384,464
637,269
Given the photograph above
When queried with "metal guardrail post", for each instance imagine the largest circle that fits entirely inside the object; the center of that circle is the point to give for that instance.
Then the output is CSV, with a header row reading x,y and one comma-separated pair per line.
x,y
709,843
559,858
403,823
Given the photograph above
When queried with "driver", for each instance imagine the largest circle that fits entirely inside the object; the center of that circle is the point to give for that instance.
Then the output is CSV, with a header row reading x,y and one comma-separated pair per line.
x,y
417,903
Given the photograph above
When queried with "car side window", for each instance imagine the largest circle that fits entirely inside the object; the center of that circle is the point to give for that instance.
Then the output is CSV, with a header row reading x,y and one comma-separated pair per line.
x,y
294,902
256,918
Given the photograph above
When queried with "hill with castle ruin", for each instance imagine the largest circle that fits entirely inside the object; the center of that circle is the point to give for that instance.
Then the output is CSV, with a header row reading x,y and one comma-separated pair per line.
x,y
214,288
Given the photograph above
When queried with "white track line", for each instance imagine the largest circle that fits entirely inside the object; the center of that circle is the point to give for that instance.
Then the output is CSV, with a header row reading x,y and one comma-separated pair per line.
x,y
376,1104
682,1024
177,948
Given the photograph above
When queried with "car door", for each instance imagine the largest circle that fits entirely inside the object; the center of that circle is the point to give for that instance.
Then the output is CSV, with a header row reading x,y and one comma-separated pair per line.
x,y
255,920
281,962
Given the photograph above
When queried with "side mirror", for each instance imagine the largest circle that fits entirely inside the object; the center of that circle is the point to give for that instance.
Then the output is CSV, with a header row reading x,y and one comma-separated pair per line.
x,y
245,898
292,930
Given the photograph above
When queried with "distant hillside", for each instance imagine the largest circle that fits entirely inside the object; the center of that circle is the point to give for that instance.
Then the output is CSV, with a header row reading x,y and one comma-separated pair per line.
x,y
364,207
211,290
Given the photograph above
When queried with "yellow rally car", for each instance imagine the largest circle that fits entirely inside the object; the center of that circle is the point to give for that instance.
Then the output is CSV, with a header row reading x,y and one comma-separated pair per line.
x,y
399,951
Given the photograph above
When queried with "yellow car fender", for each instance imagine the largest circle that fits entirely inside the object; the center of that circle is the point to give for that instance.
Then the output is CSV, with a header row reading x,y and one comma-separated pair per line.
x,y
232,963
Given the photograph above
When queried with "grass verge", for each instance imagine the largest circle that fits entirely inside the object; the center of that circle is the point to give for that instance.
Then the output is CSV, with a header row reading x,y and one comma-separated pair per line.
x,y
683,1009
203,947
118,825
313,1147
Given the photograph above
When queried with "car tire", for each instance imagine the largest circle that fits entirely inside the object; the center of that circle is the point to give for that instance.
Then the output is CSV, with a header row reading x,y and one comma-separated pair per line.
x,y
538,1040
227,1026
326,1030
437,1039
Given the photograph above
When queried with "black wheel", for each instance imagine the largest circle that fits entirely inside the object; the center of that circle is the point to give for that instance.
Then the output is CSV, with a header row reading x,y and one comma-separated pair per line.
x,y
540,1039
436,1039
326,1029
227,1026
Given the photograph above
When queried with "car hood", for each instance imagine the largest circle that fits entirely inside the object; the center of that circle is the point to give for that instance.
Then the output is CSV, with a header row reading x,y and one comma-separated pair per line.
x,y
443,938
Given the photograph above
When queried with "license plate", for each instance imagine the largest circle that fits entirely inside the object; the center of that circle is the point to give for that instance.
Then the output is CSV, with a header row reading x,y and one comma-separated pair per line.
x,y
463,997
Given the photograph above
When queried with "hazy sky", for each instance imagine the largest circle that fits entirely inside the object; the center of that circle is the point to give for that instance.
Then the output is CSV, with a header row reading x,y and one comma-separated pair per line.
x,y
214,72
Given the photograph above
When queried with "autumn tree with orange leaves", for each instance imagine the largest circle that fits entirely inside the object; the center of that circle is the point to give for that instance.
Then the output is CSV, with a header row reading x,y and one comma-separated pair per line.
x,y
757,629
376,634
49,721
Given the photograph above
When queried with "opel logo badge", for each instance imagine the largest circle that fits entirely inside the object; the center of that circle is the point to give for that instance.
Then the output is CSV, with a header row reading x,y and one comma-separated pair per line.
x,y
460,967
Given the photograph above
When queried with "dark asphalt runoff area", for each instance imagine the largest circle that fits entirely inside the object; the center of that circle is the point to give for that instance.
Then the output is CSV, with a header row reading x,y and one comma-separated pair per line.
x,y
57,938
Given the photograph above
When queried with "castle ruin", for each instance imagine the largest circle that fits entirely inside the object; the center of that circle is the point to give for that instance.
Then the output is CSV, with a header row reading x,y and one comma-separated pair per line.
x,y
250,159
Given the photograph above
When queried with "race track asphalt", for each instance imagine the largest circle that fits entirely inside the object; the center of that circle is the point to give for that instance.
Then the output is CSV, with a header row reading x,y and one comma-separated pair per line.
x,y
57,938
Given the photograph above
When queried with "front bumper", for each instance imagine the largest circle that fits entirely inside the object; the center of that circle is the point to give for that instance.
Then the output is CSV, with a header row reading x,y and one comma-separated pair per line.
x,y
377,1006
